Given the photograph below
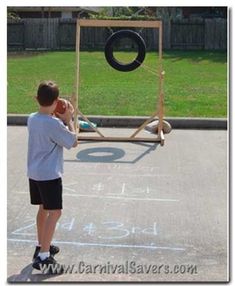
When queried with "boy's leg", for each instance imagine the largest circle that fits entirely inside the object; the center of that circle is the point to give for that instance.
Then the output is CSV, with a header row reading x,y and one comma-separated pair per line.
x,y
48,215
49,229
44,258
41,222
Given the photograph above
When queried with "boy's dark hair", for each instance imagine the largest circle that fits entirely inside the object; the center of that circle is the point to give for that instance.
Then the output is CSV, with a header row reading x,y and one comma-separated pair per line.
x,y
48,91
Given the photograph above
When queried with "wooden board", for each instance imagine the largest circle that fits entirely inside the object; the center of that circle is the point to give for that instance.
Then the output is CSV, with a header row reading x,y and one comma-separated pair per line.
x,y
120,139
119,23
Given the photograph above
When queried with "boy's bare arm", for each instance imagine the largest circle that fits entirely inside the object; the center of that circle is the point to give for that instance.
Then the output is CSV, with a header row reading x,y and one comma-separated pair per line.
x,y
71,128
67,119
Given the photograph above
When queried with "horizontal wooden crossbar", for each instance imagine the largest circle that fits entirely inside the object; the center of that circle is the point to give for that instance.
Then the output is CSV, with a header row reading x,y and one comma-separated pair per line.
x,y
160,138
120,139
118,23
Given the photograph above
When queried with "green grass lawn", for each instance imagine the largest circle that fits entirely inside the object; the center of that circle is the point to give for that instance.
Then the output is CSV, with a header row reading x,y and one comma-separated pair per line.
x,y
195,83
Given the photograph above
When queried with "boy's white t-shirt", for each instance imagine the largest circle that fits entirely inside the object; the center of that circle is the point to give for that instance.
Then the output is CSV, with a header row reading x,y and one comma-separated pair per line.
x,y
47,137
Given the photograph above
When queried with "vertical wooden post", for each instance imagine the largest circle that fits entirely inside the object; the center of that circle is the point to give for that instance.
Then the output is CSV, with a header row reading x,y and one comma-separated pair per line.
x,y
161,95
76,84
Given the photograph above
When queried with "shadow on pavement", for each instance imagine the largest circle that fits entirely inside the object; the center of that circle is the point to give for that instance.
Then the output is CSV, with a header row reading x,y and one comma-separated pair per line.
x,y
26,275
110,154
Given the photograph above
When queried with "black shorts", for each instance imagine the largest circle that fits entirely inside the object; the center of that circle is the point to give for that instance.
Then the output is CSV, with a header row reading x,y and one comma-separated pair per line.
x,y
46,193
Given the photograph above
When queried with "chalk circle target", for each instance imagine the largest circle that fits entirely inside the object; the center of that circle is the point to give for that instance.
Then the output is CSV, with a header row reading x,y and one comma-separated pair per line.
x,y
109,52
100,154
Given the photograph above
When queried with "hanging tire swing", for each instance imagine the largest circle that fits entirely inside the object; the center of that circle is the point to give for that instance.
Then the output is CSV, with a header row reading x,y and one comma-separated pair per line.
x,y
109,50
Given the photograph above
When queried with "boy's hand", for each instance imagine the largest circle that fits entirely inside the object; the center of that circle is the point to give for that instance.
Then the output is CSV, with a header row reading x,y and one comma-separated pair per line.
x,y
67,116
70,106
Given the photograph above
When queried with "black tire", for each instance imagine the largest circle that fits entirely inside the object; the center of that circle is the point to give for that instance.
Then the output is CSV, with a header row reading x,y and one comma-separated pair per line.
x,y
109,50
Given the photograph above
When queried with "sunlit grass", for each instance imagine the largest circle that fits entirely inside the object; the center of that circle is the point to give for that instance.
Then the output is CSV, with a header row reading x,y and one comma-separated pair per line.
x,y
195,83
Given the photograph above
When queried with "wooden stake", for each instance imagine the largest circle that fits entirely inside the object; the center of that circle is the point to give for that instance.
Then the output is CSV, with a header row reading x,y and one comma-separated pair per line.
x,y
77,74
143,125
161,74
89,122
162,138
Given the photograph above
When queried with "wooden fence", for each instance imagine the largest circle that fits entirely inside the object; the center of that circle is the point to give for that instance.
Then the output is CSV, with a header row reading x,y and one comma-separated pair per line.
x,y
59,34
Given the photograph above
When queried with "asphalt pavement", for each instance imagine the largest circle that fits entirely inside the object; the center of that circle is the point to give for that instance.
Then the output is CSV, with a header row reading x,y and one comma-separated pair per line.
x,y
132,211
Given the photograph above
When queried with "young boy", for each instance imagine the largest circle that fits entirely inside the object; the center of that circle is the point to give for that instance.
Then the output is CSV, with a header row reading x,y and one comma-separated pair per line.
x,y
47,137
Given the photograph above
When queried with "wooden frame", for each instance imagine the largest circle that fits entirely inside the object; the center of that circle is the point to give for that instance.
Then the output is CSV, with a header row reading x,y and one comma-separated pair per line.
x,y
75,96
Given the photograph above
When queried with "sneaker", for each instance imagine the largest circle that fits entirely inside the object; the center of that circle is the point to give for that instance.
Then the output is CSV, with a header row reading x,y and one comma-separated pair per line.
x,y
53,250
48,265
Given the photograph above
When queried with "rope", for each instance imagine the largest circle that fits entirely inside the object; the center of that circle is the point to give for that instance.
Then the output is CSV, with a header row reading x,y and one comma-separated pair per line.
x,y
110,29
148,69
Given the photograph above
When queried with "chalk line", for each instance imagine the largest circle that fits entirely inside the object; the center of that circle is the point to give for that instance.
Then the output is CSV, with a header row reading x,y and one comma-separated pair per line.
x,y
115,197
122,198
82,174
103,244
